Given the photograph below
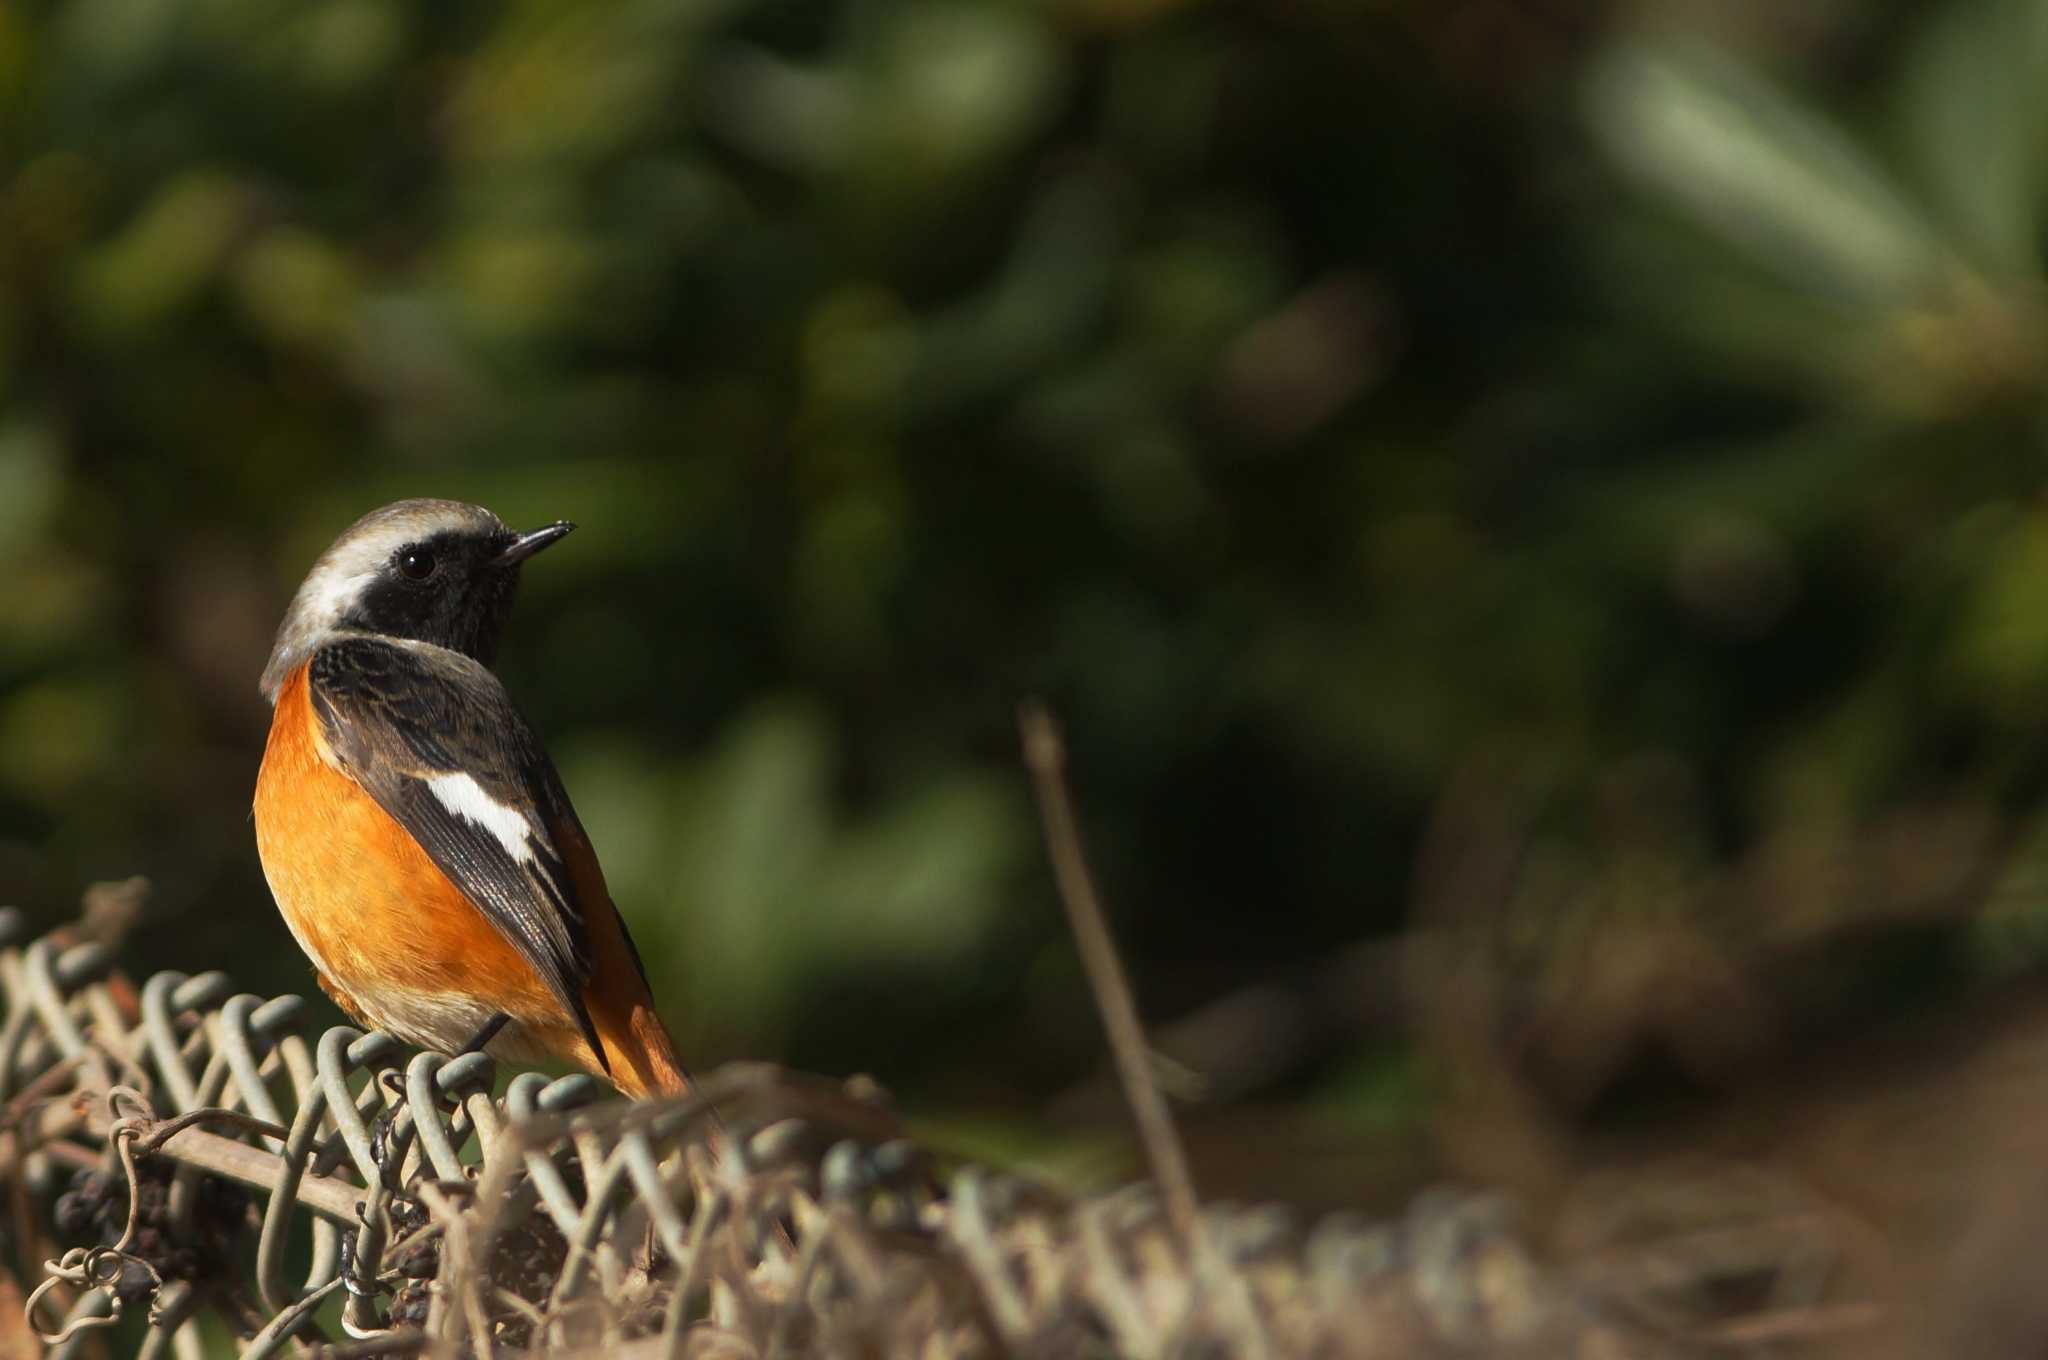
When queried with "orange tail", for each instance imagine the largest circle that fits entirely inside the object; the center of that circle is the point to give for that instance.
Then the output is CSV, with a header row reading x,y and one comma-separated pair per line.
x,y
636,1043
643,1056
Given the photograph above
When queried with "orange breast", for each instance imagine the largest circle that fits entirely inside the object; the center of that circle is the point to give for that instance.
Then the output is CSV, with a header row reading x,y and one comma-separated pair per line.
x,y
387,929
401,948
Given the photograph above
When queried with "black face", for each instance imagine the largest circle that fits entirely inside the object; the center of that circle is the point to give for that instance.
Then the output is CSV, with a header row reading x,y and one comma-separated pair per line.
x,y
453,589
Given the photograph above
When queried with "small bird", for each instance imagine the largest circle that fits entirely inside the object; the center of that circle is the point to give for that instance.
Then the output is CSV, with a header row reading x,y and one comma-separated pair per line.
x,y
412,828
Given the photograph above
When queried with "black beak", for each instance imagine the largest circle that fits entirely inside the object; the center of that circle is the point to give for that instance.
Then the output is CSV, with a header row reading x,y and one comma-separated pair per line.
x,y
531,542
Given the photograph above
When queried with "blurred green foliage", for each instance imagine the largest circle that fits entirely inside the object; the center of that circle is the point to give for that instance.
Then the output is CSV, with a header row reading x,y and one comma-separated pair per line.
x,y
1307,398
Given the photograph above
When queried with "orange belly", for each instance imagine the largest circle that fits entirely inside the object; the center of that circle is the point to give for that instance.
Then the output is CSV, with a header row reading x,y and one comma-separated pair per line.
x,y
402,949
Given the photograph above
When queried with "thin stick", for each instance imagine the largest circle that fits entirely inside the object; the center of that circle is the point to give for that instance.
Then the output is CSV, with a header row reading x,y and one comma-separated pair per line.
x,y
326,1195
1045,756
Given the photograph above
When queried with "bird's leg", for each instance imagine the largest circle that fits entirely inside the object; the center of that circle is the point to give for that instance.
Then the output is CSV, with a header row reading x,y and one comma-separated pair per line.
x,y
486,1034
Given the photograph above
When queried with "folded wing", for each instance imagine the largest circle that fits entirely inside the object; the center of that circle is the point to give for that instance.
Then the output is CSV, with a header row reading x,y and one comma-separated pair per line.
x,y
434,738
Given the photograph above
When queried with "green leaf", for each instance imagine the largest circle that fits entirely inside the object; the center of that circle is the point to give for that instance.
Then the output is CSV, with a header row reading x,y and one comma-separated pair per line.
x,y
1972,104
1745,159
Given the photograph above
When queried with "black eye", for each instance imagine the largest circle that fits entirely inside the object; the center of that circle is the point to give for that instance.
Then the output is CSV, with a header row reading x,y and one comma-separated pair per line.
x,y
416,564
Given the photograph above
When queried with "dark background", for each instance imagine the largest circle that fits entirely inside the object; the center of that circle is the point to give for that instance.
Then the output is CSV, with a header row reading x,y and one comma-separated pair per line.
x,y
1531,514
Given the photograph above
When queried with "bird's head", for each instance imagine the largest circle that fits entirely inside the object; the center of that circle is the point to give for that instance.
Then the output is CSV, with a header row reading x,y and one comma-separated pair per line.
x,y
442,572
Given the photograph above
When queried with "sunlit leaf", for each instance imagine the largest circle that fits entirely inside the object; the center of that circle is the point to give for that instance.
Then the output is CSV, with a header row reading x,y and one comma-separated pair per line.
x,y
1973,108
1752,162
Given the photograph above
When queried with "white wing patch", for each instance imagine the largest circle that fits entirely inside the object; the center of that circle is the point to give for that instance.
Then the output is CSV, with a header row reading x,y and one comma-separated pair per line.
x,y
463,796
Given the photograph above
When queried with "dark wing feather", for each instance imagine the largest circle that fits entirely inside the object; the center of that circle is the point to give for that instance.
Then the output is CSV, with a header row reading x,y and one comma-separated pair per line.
x,y
400,715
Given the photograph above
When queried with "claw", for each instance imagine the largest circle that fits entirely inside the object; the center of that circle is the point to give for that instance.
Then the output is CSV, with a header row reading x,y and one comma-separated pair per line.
x,y
383,1142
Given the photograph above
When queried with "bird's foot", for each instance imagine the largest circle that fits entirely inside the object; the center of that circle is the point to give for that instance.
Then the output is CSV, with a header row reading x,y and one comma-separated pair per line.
x,y
385,1150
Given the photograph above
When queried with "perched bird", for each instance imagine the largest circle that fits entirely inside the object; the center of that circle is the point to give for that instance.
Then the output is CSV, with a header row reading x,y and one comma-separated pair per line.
x,y
411,826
